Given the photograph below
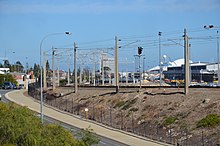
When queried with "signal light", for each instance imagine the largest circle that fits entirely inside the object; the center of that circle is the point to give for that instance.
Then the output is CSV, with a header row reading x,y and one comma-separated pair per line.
x,y
140,50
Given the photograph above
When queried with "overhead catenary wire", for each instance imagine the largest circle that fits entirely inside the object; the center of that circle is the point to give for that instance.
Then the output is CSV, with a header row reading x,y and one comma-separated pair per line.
x,y
129,44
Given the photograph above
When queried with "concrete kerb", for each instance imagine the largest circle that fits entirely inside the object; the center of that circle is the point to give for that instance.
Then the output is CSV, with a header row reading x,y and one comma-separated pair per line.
x,y
83,119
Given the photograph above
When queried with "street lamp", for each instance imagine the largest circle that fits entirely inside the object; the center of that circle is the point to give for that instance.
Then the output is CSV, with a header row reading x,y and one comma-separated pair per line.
x,y
217,39
41,90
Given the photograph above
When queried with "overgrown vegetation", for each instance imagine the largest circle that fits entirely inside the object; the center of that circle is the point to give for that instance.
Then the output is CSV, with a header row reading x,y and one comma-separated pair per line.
x,y
125,104
210,120
20,126
63,82
129,103
88,138
119,104
134,109
169,120
7,78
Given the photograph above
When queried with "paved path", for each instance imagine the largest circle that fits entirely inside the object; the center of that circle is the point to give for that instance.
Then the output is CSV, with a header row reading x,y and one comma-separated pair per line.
x,y
18,97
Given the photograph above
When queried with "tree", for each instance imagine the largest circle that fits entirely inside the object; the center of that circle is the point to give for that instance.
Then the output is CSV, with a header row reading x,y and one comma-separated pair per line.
x,y
20,126
19,66
7,78
55,135
48,73
88,138
6,64
36,70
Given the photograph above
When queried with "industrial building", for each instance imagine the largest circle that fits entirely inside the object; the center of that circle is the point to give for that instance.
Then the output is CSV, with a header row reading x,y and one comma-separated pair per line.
x,y
199,71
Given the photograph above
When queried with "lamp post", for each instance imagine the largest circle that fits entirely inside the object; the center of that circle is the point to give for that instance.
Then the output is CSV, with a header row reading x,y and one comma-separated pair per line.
x,y
217,39
41,89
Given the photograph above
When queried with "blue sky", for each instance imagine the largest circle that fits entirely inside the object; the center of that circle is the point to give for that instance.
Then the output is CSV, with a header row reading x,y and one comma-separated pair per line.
x,y
24,23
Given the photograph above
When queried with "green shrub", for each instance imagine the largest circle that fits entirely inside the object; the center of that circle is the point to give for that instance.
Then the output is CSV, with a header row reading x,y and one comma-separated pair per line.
x,y
169,120
133,109
119,104
129,103
63,82
210,120
21,127
7,78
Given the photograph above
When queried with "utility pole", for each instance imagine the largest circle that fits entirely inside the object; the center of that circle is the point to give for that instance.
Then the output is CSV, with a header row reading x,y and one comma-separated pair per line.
x,y
45,72
58,72
218,71
144,68
53,53
186,59
75,69
140,68
139,56
68,75
116,64
126,71
89,76
102,67
159,34
218,58
80,75
94,70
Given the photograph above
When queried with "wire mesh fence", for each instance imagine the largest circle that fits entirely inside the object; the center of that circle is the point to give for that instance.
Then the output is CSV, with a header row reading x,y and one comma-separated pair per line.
x,y
127,121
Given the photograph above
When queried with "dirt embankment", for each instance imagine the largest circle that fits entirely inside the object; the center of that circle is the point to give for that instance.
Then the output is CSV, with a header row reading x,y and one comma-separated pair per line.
x,y
165,114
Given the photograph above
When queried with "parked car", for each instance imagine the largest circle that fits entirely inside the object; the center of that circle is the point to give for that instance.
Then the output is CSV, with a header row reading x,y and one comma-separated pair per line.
x,y
7,85
14,86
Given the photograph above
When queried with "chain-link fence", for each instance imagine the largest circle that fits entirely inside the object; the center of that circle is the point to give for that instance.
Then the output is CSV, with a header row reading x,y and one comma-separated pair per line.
x,y
127,121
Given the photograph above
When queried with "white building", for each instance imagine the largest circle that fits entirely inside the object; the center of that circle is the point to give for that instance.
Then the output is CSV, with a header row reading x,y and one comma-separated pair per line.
x,y
4,70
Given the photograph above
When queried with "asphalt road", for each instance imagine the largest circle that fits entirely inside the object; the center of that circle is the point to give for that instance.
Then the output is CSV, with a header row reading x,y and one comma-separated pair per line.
x,y
2,95
104,141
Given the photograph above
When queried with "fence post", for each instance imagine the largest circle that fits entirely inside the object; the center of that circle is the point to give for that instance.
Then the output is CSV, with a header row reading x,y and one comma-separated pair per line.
x,y
122,120
110,116
60,103
132,122
101,115
186,136
66,104
77,108
202,138
93,113
144,128
72,105
170,134
158,136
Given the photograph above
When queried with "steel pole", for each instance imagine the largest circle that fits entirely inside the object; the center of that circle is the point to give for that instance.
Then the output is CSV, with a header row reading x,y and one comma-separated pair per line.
x,y
116,64
41,81
160,58
41,88
186,56
218,59
75,69
45,72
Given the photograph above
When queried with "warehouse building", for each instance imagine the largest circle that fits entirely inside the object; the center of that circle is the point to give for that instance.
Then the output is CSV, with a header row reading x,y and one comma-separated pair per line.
x,y
199,71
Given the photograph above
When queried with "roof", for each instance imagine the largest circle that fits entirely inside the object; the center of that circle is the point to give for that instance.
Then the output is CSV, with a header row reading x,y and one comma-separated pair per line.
x,y
198,64
176,63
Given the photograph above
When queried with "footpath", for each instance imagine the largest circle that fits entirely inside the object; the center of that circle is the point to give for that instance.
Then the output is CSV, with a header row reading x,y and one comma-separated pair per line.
x,y
20,98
